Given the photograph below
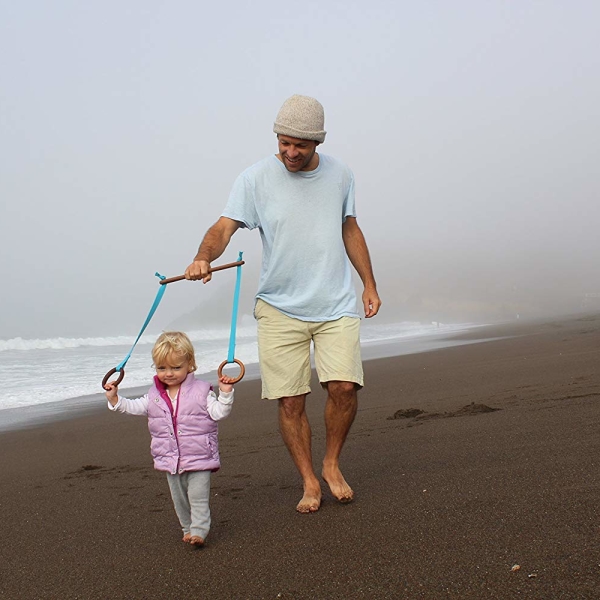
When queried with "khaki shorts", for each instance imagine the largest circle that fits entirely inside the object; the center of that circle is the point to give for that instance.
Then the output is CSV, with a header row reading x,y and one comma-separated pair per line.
x,y
284,351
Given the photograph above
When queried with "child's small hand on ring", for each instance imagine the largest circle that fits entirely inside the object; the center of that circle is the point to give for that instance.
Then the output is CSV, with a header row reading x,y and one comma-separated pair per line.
x,y
225,383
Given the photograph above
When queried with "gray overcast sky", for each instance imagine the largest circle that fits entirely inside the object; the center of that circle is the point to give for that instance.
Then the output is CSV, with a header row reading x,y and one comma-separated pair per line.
x,y
472,129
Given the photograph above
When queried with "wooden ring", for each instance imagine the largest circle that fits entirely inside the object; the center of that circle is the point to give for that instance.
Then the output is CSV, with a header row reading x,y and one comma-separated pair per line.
x,y
110,373
242,369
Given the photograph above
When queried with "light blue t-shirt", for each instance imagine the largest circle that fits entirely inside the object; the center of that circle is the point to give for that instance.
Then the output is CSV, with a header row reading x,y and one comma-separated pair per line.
x,y
305,272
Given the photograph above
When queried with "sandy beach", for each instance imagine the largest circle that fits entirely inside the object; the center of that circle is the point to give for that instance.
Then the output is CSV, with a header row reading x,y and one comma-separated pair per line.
x,y
475,469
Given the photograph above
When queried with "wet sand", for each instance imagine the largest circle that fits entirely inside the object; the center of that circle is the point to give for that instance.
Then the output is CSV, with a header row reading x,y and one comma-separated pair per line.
x,y
448,500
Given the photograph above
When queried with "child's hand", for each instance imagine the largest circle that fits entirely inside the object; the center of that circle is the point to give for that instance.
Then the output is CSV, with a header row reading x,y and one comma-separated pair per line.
x,y
112,393
225,383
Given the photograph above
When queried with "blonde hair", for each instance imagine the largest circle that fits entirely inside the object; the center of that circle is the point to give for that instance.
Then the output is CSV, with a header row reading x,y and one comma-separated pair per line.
x,y
173,342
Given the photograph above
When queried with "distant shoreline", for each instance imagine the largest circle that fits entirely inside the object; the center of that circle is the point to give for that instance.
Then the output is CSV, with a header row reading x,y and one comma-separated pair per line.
x,y
12,419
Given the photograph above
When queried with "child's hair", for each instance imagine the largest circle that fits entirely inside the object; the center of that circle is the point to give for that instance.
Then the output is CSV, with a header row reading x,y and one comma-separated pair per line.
x,y
173,342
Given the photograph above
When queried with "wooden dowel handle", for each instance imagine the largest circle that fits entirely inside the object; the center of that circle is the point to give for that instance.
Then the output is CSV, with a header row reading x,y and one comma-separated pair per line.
x,y
211,270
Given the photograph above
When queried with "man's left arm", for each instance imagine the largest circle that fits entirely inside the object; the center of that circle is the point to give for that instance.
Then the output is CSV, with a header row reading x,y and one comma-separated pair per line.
x,y
358,253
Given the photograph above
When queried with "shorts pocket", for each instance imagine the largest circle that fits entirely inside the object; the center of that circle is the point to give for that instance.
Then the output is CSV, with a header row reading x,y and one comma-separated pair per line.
x,y
259,309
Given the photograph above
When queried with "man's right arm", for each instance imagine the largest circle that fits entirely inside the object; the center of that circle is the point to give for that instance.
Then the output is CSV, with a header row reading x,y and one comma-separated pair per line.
x,y
213,245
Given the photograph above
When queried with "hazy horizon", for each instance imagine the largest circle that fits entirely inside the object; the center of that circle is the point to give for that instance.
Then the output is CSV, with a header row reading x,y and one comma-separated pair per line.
x,y
471,127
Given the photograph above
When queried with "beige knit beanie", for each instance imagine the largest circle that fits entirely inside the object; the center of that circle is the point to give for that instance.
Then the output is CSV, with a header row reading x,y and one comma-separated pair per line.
x,y
301,117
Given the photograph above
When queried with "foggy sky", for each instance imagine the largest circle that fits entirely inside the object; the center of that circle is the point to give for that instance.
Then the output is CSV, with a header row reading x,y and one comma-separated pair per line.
x,y
471,127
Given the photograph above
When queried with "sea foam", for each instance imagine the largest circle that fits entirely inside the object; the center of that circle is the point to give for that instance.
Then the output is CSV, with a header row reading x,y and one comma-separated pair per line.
x,y
38,371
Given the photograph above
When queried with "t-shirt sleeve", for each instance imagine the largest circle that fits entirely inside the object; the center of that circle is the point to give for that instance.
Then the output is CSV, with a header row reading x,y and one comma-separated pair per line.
x,y
349,209
241,205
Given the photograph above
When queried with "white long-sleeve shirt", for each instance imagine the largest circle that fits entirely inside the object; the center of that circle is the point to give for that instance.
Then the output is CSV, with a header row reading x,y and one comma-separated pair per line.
x,y
219,406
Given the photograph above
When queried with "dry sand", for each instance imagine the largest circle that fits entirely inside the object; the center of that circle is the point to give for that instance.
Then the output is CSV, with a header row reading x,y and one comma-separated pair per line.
x,y
447,501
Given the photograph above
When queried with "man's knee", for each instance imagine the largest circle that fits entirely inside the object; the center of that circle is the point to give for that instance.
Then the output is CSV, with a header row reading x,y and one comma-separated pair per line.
x,y
341,390
292,407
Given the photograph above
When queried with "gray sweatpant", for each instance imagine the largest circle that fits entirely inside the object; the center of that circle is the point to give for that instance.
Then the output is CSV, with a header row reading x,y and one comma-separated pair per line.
x,y
190,492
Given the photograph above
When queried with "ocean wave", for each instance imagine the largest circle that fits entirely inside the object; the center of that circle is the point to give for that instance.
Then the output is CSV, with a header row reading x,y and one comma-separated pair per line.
x,y
32,379
377,333
370,333
34,382
62,343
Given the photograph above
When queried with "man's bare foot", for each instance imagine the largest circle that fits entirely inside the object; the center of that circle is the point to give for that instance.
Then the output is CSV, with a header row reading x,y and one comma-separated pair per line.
x,y
337,484
187,537
196,540
311,501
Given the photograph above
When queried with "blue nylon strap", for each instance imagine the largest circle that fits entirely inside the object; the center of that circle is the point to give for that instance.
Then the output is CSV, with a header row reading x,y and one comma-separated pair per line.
x,y
159,295
234,312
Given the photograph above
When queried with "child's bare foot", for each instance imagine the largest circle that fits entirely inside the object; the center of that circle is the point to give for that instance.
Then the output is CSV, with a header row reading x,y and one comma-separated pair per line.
x,y
337,484
196,540
187,537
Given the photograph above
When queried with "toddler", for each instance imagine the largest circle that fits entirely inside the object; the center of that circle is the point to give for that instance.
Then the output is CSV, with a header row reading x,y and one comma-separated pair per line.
x,y
182,418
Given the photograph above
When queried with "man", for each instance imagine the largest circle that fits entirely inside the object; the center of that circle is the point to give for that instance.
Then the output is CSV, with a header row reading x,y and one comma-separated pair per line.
x,y
302,203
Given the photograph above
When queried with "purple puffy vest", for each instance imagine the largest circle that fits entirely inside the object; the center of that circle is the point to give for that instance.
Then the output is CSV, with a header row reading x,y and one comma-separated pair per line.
x,y
188,440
